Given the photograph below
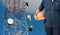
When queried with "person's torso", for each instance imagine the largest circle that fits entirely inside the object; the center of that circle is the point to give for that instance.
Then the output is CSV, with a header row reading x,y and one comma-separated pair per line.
x,y
52,12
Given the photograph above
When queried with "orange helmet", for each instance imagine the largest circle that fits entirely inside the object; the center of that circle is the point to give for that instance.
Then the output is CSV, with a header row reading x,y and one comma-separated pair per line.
x,y
40,16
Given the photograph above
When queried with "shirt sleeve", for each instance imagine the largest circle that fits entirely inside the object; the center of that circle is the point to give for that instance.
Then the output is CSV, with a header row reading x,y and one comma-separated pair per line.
x,y
41,7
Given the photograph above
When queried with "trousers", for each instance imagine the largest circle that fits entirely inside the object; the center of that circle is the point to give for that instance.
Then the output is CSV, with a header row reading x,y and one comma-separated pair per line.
x,y
52,30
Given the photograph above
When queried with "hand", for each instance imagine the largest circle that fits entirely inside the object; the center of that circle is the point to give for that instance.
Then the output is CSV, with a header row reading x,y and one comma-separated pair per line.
x,y
35,15
39,15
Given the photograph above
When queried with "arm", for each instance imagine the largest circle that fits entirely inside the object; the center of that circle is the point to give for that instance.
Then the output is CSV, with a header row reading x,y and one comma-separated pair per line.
x,y
41,7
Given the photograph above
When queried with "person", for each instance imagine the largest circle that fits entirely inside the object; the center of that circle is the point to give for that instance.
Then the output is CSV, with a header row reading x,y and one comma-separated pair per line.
x,y
52,14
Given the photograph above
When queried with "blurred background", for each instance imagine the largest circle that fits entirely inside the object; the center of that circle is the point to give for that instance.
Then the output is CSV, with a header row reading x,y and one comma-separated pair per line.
x,y
38,26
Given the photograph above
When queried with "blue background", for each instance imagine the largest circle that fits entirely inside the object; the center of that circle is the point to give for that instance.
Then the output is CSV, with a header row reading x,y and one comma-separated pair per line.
x,y
38,26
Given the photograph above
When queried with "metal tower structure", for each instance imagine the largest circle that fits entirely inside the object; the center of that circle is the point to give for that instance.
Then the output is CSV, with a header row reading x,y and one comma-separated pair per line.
x,y
15,22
